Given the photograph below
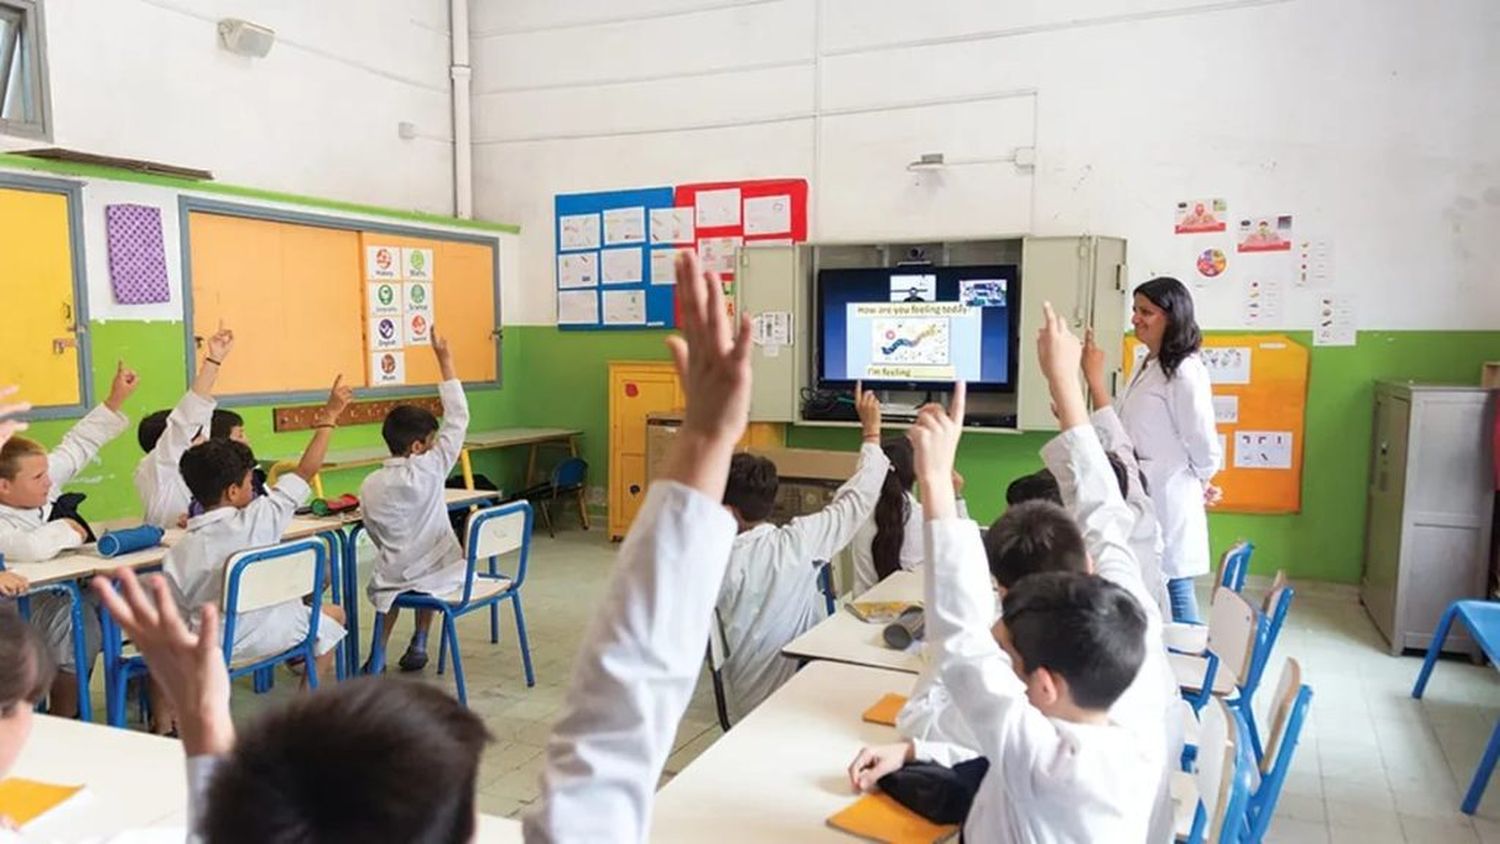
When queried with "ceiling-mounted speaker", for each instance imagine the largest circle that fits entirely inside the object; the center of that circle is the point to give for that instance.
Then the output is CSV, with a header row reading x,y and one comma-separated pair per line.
x,y
244,38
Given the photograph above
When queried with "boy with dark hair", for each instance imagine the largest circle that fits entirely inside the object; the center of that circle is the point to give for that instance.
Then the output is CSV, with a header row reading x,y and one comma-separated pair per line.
x,y
165,437
406,513
769,596
35,526
227,425
218,472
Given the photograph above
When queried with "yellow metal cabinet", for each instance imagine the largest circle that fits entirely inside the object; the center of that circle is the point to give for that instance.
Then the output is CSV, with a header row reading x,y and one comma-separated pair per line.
x,y
38,345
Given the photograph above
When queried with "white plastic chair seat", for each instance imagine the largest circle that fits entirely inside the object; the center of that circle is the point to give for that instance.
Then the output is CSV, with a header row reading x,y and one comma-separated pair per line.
x,y
1190,668
1188,638
1184,788
484,587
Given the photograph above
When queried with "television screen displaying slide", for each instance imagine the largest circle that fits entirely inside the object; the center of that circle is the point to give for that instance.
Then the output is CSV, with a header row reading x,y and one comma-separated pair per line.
x,y
915,328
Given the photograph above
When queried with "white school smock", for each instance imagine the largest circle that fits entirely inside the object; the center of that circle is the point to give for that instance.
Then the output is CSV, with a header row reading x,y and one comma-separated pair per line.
x,y
158,477
25,534
407,516
1171,423
1049,780
862,546
196,569
770,595
1145,533
635,673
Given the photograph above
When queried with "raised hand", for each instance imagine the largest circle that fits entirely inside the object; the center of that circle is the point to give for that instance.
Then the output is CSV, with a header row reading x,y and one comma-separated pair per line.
x,y
868,408
1093,360
934,439
339,398
1060,354
221,344
444,355
121,387
10,427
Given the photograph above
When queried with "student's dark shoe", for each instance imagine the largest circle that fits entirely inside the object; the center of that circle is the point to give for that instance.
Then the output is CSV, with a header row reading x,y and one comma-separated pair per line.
x,y
413,660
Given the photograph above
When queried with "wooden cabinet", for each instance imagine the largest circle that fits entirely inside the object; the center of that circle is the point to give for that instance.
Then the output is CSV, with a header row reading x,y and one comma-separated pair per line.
x,y
636,389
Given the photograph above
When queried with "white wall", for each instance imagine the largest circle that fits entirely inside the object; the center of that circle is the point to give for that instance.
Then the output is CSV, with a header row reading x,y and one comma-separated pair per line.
x,y
148,79
1375,123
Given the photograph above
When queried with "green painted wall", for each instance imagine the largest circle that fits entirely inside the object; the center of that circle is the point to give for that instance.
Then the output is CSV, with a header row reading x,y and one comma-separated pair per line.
x,y
154,349
560,377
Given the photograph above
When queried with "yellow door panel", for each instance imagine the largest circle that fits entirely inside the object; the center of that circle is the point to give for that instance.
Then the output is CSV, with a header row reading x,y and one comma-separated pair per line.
x,y
37,344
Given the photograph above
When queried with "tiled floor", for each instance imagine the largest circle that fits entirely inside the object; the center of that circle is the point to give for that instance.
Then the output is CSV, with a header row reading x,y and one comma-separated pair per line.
x,y
1373,766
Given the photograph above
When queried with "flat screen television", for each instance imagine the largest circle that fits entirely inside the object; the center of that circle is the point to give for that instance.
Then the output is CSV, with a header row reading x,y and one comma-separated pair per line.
x,y
918,328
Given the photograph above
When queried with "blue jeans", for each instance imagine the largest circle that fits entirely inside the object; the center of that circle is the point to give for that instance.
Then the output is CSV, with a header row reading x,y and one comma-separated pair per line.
x,y
1184,600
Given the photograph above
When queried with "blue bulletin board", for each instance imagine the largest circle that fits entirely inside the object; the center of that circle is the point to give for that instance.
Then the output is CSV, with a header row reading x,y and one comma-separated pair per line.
x,y
606,276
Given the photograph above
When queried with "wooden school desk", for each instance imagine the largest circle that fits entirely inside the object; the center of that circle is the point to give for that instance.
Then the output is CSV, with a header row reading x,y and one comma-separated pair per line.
x,y
133,780
783,769
843,638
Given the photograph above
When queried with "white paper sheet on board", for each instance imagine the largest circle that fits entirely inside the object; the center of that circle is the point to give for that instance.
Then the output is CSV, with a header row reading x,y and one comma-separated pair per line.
x,y
418,264
1333,322
1262,449
718,207
621,266
1262,302
579,231
1226,410
387,368
577,307
672,225
768,215
580,270
1227,364
1224,449
624,307
418,315
386,333
624,225
382,263
717,254
384,299
1315,264
664,266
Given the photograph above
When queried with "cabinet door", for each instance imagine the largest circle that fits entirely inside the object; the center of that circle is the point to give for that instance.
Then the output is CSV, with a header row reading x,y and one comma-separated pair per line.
x,y
1107,314
39,343
1056,270
636,390
1383,530
767,285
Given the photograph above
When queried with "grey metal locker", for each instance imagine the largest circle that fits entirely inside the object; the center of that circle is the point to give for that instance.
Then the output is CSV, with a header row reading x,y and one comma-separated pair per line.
x,y
1431,495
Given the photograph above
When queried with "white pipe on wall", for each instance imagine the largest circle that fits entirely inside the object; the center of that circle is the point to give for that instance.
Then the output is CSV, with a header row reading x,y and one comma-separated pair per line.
x,y
463,147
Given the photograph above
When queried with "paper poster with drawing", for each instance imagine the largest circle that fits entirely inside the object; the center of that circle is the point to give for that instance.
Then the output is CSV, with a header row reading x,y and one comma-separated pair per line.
x,y
578,231
672,225
1262,449
1267,233
624,225
1211,263
1196,216
388,368
580,270
1226,364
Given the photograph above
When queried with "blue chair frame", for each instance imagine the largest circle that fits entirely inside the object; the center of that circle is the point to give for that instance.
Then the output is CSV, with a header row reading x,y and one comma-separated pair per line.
x,y
1232,829
74,595
1482,618
1262,803
451,612
1267,632
1236,567
307,648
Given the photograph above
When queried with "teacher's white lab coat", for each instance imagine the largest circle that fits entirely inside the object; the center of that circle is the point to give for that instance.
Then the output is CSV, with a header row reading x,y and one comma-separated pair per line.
x,y
1171,422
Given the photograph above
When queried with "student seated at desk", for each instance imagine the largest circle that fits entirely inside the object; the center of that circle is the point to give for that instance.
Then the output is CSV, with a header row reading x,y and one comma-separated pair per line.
x,y
218,472
166,436
1094,768
770,594
635,675
891,540
35,528
405,512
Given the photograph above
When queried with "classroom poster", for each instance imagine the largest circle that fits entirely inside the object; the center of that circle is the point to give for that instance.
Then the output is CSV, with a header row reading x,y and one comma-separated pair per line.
x,y
770,215
580,270
1226,364
418,314
578,231
1315,264
718,253
382,262
388,369
718,207
1265,233
619,259
1262,302
1197,216
1334,321
621,266
417,264
672,225
624,307
1262,450
385,333
384,299
624,225
577,307
1210,263
664,266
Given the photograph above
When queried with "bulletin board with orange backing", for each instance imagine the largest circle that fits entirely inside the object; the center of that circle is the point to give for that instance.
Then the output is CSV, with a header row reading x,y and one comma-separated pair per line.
x,y
296,296
732,215
1260,405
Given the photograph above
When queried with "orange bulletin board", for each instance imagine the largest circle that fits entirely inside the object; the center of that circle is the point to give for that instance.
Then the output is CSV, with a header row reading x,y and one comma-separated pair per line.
x,y
297,296
1260,402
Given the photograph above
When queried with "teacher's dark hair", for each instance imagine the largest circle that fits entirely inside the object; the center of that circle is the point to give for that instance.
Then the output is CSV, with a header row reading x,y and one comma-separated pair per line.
x,y
1182,337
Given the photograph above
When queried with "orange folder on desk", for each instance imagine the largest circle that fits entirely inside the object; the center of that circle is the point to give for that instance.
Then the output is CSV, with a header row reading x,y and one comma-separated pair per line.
x,y
24,800
885,710
878,817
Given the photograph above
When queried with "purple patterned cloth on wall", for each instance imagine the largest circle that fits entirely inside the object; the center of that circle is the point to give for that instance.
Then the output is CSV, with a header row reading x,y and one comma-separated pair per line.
x,y
137,257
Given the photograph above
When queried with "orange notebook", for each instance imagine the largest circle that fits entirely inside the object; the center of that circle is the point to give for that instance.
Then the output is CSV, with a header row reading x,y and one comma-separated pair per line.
x,y
885,710
877,817
24,800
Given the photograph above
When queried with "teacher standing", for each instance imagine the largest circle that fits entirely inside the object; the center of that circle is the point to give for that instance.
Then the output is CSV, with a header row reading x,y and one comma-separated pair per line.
x,y
1168,411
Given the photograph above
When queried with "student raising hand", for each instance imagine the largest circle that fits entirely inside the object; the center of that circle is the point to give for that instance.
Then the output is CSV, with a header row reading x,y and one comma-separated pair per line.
x,y
868,408
934,440
10,427
123,385
339,398
712,357
189,666
220,345
1060,353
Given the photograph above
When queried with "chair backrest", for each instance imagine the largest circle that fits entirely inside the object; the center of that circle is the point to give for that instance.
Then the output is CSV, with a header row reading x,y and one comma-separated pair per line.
x,y
1223,773
495,531
1233,632
1288,712
718,646
570,473
1234,566
264,577
1277,604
